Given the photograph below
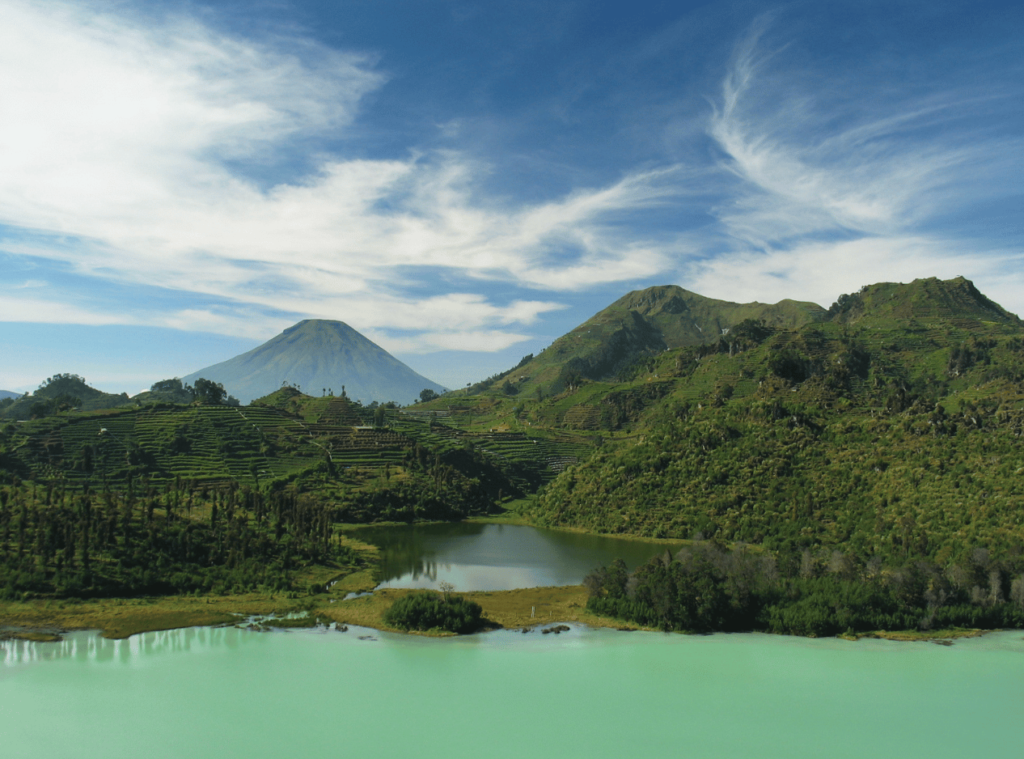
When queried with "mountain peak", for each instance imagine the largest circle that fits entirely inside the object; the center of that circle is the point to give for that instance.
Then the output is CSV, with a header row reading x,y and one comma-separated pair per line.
x,y
649,321
927,298
318,324
319,354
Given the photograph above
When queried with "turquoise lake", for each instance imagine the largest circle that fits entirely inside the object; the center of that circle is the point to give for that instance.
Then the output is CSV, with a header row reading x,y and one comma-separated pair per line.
x,y
227,692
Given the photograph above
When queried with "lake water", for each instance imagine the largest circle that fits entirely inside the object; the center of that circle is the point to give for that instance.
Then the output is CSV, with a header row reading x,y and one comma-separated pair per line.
x,y
588,693
495,557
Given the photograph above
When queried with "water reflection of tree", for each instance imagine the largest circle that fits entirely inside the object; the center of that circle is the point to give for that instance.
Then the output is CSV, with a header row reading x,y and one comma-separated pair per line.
x,y
416,550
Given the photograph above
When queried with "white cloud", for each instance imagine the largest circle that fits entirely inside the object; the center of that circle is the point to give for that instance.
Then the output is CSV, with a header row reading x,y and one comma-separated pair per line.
x,y
125,135
820,272
841,187
43,311
814,161
129,146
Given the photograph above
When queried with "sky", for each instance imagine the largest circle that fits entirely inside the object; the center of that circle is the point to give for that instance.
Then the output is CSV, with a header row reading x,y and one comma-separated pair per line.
x,y
464,182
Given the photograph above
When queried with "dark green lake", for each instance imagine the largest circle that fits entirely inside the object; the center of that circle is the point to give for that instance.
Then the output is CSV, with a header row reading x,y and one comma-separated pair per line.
x,y
494,556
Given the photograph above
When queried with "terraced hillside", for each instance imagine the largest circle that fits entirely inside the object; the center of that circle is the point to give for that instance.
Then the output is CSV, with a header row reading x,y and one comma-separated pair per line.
x,y
330,445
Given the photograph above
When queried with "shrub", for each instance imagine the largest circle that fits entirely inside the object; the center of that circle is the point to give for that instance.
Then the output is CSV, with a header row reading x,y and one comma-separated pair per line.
x,y
430,611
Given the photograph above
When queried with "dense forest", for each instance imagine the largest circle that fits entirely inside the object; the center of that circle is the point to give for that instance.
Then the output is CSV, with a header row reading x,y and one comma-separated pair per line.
x,y
705,588
147,540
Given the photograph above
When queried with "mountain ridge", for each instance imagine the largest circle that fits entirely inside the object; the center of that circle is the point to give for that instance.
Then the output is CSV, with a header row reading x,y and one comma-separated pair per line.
x,y
646,322
664,317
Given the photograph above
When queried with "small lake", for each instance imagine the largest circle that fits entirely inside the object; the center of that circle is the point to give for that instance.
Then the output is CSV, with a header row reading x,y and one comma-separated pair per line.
x,y
226,692
495,556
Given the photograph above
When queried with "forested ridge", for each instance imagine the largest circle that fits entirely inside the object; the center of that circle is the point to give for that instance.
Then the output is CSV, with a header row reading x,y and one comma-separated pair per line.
x,y
882,444
203,497
842,469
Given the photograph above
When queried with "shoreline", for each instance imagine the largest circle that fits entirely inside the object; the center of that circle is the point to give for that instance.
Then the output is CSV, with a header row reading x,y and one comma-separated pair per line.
x,y
521,609
46,620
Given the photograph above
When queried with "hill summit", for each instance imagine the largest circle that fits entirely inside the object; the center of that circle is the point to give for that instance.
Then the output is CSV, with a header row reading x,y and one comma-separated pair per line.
x,y
645,322
317,355
929,298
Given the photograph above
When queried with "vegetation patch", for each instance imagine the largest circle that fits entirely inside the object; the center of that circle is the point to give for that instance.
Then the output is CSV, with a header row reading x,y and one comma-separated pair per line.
x,y
434,611
704,588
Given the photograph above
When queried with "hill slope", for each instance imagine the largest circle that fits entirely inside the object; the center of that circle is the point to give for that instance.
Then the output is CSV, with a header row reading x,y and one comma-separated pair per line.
x,y
891,430
61,392
318,354
954,299
646,322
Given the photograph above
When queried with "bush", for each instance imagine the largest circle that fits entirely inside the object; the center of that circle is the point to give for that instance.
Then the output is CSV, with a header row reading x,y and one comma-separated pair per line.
x,y
430,611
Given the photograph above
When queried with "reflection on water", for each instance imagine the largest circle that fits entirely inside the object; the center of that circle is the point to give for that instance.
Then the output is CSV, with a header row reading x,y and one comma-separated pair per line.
x,y
594,693
493,556
88,647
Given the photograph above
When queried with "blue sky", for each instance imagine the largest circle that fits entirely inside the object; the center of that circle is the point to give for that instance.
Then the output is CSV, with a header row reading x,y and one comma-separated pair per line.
x,y
463,182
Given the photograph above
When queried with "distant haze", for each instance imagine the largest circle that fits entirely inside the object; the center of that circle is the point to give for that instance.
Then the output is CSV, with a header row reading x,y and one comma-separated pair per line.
x,y
316,355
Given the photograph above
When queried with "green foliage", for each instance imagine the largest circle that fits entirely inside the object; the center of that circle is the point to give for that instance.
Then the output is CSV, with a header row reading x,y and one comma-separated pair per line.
x,y
207,391
432,611
167,386
49,406
59,394
147,540
705,589
886,437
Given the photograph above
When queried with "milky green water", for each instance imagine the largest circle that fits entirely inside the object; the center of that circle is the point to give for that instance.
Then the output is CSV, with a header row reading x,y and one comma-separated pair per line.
x,y
588,693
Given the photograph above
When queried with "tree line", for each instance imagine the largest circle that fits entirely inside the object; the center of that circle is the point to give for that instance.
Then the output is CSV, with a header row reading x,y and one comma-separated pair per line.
x,y
152,540
707,588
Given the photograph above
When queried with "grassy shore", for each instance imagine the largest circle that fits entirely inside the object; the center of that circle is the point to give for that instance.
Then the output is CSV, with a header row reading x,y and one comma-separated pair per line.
x,y
42,620
46,619
933,636
510,609
119,618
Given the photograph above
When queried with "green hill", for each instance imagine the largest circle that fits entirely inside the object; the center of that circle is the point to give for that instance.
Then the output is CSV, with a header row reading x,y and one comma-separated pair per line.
x,y
319,356
891,429
923,299
642,323
62,392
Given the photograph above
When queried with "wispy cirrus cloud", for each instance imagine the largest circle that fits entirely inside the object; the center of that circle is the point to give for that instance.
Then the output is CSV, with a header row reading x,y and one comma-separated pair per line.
x,y
147,151
131,153
845,180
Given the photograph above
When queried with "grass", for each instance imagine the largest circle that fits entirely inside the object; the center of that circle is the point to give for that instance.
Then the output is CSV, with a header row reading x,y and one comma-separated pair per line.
x,y
43,621
121,618
508,609
935,636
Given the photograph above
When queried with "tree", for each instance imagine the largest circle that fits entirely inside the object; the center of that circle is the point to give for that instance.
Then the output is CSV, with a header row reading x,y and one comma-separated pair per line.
x,y
426,394
166,386
446,590
208,391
